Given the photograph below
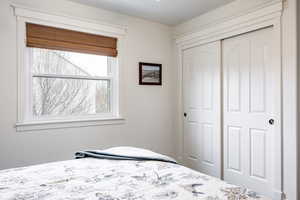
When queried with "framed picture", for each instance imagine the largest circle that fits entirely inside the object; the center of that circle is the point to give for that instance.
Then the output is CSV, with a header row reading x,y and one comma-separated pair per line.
x,y
150,74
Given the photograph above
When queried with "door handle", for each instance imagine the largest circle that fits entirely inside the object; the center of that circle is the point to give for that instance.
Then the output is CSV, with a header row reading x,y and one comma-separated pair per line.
x,y
185,114
271,121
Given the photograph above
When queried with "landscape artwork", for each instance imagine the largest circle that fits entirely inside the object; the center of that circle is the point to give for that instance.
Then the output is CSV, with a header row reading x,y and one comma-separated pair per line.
x,y
150,74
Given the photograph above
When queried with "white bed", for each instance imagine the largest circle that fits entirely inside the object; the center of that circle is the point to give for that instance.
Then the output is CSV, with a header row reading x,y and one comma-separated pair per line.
x,y
105,179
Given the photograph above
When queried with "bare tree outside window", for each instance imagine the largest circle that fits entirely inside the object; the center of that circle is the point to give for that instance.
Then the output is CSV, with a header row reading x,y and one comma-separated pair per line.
x,y
62,87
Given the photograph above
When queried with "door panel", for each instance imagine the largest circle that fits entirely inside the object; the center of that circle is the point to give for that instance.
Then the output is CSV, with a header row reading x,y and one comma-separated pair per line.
x,y
257,70
233,80
202,100
234,148
251,97
208,155
258,153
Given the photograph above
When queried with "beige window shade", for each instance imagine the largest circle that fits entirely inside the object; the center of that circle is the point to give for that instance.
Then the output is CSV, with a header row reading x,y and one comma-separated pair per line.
x,y
40,36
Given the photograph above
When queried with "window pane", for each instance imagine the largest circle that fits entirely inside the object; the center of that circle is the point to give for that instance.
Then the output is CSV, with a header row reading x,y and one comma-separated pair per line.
x,y
69,97
45,61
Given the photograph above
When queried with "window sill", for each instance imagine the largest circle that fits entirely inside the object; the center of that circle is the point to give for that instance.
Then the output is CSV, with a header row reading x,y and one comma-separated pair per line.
x,y
60,124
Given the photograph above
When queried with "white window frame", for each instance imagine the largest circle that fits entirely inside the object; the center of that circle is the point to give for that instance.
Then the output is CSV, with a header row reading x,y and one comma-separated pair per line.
x,y
26,122
112,67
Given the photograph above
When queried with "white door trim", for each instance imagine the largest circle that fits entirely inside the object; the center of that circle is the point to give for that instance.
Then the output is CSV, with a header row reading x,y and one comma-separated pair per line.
x,y
264,17
267,16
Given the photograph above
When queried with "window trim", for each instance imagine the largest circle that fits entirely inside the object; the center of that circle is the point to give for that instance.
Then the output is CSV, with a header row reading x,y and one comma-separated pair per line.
x,y
70,123
25,122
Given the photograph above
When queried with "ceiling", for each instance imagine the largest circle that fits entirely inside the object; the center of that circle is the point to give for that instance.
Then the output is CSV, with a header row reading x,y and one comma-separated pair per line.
x,y
170,12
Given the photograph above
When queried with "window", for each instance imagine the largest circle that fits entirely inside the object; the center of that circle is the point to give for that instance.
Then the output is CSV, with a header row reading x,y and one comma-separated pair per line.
x,y
69,84
67,75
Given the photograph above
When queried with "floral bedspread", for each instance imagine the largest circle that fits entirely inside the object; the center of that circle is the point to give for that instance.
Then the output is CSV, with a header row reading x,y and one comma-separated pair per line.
x,y
97,179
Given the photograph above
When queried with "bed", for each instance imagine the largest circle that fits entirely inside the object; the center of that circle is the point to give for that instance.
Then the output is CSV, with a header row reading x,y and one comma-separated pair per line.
x,y
134,174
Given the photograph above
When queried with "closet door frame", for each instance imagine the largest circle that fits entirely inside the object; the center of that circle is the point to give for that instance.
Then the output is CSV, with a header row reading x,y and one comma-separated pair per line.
x,y
269,16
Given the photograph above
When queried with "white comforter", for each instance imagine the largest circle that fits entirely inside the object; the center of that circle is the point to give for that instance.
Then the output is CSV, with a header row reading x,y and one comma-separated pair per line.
x,y
98,179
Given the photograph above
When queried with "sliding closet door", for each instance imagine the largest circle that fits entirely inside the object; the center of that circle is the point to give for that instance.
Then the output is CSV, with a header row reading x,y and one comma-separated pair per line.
x,y
202,125
252,136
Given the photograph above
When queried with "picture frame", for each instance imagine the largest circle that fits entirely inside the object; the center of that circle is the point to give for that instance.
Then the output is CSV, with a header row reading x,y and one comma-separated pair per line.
x,y
150,73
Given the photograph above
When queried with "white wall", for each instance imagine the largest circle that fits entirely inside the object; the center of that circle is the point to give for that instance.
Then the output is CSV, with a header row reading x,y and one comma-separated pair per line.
x,y
289,74
149,109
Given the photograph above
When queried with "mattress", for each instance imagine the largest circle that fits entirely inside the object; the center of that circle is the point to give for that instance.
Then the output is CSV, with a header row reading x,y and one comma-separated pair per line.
x,y
106,179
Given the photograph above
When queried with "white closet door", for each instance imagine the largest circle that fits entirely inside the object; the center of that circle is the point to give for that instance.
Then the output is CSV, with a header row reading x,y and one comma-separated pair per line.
x,y
202,125
252,136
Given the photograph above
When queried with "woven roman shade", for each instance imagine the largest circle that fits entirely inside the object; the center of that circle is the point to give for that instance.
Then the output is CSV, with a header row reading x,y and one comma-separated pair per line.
x,y
46,37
